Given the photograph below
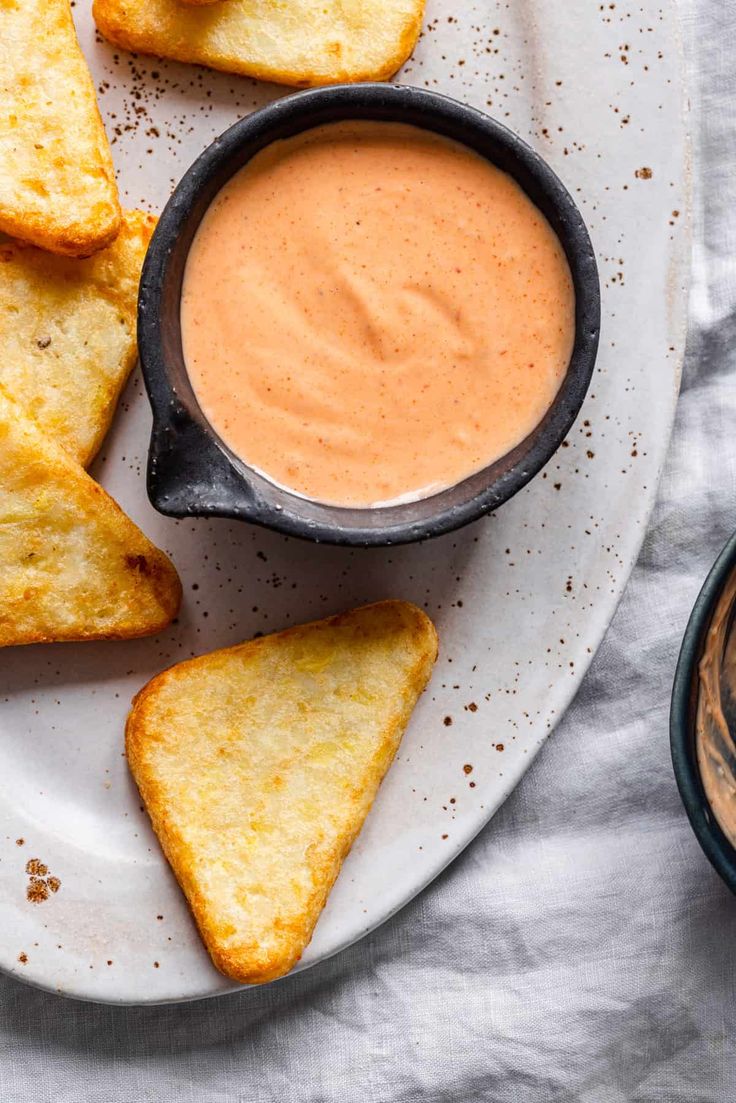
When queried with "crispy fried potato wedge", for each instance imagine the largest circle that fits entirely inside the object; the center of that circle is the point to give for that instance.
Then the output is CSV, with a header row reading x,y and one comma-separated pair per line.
x,y
68,333
72,565
258,765
57,184
300,42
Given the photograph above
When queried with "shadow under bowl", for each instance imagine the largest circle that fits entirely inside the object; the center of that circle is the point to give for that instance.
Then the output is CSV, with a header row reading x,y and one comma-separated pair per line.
x,y
716,599
192,472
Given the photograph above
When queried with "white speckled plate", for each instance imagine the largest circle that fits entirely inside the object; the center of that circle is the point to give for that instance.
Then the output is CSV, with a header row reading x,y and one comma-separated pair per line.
x,y
521,599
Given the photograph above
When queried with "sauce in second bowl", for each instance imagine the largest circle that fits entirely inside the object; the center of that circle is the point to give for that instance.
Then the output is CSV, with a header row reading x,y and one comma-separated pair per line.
x,y
371,313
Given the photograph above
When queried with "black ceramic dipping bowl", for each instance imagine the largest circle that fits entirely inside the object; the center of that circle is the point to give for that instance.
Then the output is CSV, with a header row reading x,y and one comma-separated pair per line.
x,y
713,599
191,472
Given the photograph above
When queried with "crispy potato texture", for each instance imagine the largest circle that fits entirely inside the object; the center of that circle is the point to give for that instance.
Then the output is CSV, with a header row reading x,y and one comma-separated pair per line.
x,y
57,183
68,333
72,565
299,42
258,765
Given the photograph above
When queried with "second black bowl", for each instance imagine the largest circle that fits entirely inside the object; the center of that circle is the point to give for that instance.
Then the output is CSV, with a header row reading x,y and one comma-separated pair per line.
x,y
191,472
714,610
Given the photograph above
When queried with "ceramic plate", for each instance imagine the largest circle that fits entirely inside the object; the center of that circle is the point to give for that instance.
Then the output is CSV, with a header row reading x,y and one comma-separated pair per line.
x,y
521,599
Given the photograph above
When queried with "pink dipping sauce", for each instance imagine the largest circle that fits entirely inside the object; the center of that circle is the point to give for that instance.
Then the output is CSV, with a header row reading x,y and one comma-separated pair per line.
x,y
371,313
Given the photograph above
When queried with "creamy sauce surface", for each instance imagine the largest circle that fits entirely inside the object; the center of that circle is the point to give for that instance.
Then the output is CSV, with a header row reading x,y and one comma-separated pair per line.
x,y
371,312
716,751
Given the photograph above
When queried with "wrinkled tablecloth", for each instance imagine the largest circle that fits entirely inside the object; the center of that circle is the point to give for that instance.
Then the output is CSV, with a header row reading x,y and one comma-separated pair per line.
x,y
581,949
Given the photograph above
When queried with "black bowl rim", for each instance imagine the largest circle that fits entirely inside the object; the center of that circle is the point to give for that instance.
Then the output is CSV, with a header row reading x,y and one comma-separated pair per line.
x,y
545,438
714,843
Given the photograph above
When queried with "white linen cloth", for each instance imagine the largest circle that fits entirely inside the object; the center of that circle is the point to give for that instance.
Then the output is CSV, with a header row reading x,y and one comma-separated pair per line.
x,y
581,949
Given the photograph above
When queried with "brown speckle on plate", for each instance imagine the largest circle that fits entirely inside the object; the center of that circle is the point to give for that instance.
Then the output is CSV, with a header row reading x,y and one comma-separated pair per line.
x,y
40,883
